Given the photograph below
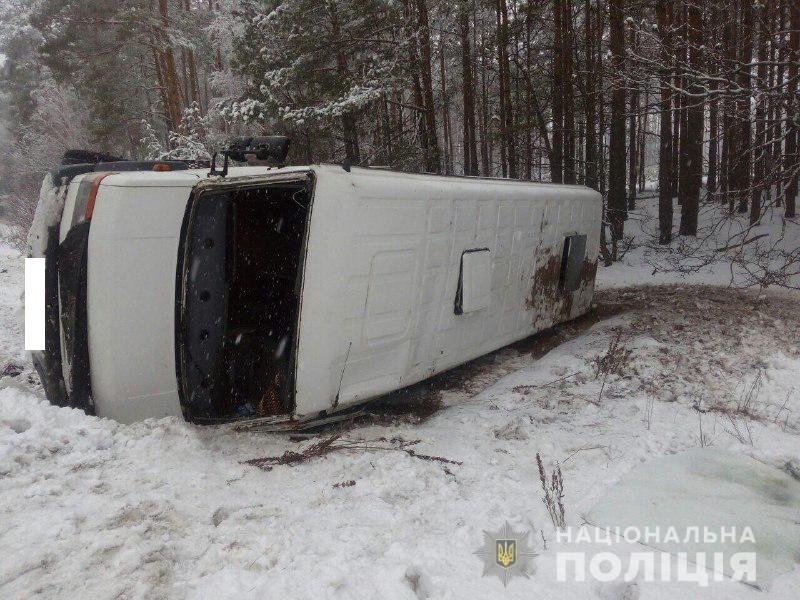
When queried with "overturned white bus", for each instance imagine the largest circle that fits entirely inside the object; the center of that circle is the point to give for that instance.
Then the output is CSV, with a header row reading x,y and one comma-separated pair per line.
x,y
290,294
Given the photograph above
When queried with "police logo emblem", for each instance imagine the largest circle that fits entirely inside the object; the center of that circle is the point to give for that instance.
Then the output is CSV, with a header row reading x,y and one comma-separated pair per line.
x,y
506,553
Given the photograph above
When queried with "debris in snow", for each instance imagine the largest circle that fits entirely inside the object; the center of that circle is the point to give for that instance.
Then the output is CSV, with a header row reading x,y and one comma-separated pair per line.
x,y
792,467
335,444
12,370
344,484
219,516
513,430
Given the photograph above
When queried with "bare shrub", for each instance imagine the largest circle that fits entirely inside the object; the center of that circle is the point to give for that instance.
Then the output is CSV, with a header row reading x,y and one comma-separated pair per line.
x,y
740,429
782,416
60,121
703,437
612,362
745,407
724,238
748,403
19,216
553,489
615,358
648,410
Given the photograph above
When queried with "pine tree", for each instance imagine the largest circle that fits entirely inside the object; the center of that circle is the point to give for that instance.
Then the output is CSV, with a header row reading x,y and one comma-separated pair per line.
x,y
324,65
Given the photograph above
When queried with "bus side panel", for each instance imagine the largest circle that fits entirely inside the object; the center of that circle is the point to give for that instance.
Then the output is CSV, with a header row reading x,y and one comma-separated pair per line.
x,y
321,342
133,247
382,272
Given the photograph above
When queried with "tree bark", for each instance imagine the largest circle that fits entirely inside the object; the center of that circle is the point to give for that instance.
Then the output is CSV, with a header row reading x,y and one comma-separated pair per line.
x,y
486,149
349,122
602,166
557,95
633,109
174,105
678,47
448,140
777,108
590,96
729,138
663,13
567,48
743,125
528,110
616,167
760,150
416,86
692,165
192,83
468,98
713,144
644,123
506,108
792,162
433,158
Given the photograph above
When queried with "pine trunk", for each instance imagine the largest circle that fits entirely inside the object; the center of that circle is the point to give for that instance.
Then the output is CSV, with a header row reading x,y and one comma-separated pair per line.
x,y
743,125
760,149
174,105
792,162
727,182
590,97
633,109
567,45
616,167
663,12
776,133
446,127
692,171
433,158
507,120
348,118
468,99
557,96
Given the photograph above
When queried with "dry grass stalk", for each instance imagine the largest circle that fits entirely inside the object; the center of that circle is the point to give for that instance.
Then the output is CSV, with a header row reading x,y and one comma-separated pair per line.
x,y
612,362
553,489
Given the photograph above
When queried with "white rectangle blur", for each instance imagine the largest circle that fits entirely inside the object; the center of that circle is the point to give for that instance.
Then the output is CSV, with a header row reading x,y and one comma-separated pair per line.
x,y
34,303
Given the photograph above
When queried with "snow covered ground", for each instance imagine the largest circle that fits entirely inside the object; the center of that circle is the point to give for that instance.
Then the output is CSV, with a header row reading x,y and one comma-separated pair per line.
x,y
91,508
727,249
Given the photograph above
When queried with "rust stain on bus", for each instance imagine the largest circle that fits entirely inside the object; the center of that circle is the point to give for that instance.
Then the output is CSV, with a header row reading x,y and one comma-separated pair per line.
x,y
548,301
